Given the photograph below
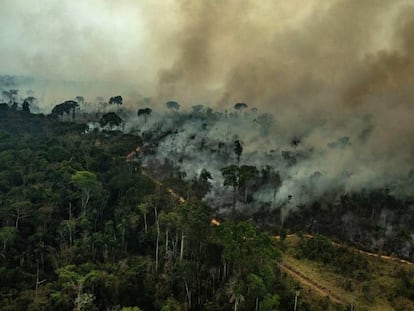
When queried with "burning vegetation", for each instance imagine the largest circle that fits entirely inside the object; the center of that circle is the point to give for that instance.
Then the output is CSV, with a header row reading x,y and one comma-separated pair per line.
x,y
179,169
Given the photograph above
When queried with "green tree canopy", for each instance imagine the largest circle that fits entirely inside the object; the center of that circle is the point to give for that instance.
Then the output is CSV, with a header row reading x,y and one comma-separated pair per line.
x,y
88,183
111,119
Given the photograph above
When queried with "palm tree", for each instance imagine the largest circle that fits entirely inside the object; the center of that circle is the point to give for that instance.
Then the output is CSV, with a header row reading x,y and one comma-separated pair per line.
x,y
234,291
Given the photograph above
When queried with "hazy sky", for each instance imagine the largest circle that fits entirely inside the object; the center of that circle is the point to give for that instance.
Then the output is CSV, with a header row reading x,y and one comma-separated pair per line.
x,y
76,40
213,51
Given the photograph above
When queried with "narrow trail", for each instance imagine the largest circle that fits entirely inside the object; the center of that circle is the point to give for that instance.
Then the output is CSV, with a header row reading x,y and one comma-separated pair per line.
x,y
130,158
174,194
383,257
306,281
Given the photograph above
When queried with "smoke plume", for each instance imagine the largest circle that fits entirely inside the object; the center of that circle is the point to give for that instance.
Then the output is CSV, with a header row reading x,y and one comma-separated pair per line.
x,y
336,74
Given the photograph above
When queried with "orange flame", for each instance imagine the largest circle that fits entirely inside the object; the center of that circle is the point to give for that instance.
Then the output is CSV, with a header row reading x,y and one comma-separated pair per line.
x,y
215,222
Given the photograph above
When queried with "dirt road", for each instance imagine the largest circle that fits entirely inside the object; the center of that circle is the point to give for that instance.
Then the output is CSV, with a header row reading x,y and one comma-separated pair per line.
x,y
306,281
383,257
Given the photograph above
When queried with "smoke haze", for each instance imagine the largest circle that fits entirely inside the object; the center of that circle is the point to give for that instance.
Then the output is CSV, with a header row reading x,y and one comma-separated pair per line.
x,y
324,69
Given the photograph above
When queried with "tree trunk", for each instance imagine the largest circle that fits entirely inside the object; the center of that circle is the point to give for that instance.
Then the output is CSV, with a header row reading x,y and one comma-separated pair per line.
x,y
234,200
224,271
105,253
78,301
296,300
157,250
123,239
182,246
37,281
17,220
145,223
372,213
188,293
166,241
176,243
85,202
157,240
70,235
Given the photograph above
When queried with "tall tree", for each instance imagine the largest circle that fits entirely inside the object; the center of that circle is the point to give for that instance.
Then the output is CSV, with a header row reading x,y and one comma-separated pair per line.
x,y
231,175
235,292
247,174
238,149
173,105
7,235
65,107
256,288
21,210
88,183
27,103
116,100
144,208
144,112
30,103
240,106
111,119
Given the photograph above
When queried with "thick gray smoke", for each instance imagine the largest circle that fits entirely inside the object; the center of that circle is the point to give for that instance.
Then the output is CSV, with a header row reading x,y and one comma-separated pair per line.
x,y
320,164
326,70
336,74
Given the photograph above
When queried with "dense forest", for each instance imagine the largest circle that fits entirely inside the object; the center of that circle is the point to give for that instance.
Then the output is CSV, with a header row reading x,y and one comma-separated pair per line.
x,y
83,229
97,214
183,155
